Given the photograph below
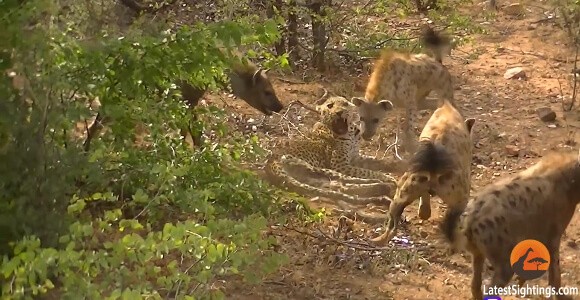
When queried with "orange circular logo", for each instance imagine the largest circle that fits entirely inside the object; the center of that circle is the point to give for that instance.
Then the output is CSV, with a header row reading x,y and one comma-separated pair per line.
x,y
530,259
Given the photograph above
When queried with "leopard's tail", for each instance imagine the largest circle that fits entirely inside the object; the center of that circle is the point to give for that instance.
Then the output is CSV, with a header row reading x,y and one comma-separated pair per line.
x,y
439,44
276,171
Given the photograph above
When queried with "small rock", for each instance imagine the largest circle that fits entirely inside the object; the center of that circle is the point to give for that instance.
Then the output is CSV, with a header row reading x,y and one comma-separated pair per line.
x,y
514,9
515,73
512,150
546,114
552,126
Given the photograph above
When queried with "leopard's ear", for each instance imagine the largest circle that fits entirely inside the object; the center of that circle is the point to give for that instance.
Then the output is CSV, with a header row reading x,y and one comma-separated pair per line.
x,y
357,101
339,125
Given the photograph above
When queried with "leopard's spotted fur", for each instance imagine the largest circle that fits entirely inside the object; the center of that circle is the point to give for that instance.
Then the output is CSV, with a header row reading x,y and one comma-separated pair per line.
x,y
331,149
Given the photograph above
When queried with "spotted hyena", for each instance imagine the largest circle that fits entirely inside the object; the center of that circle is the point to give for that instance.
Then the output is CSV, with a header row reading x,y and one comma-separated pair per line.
x,y
440,167
405,80
248,82
537,203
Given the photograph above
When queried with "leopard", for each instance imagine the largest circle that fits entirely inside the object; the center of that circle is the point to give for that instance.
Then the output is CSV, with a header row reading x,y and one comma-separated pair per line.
x,y
440,167
405,80
536,203
330,149
357,158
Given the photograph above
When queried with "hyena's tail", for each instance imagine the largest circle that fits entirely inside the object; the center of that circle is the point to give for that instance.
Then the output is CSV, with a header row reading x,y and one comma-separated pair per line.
x,y
432,158
439,44
451,227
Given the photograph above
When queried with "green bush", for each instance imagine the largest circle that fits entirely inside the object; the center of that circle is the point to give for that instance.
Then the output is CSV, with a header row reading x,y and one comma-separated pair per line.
x,y
121,221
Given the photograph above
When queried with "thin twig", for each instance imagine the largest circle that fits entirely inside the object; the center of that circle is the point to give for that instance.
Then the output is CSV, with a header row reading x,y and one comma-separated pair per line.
x,y
394,145
543,20
375,47
187,271
92,131
355,245
284,117
291,81
575,79
536,55
320,100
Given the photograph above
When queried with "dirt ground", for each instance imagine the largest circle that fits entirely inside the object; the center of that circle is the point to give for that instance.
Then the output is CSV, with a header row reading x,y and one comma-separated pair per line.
x,y
509,136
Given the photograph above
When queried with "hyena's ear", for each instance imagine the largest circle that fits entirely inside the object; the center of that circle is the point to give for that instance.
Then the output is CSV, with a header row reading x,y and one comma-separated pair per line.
x,y
339,125
257,76
385,105
469,123
357,101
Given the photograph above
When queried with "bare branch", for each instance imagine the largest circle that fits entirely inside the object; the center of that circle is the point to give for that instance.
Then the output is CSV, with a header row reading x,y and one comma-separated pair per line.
x,y
92,131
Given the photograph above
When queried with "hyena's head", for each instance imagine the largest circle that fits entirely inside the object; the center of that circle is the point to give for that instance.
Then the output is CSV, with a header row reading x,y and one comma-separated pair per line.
x,y
371,114
254,87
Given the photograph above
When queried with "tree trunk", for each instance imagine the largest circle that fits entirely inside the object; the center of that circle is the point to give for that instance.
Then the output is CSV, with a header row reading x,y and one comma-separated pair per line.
x,y
292,32
319,38
273,6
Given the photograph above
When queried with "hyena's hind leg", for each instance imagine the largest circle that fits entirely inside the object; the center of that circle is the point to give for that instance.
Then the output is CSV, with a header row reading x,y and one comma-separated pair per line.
x,y
477,262
425,206
499,258
554,271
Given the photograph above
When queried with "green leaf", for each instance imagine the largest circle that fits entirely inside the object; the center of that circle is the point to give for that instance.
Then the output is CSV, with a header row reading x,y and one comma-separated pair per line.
x,y
140,196
212,254
9,267
76,207
132,224
116,294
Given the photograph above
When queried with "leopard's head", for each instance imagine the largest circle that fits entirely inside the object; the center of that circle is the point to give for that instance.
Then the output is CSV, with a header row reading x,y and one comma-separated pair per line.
x,y
345,123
